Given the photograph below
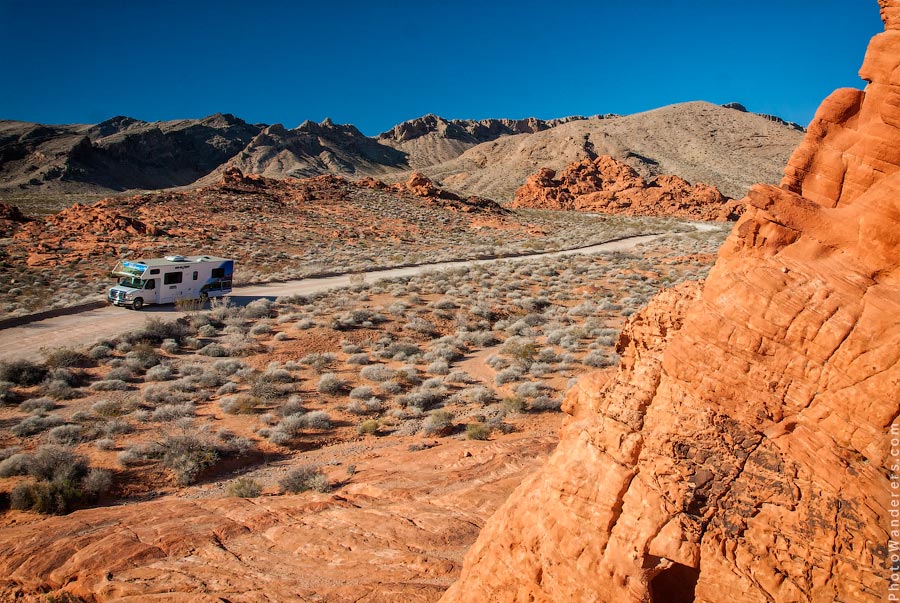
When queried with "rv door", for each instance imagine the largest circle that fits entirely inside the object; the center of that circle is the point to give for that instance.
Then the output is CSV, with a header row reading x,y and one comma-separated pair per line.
x,y
171,287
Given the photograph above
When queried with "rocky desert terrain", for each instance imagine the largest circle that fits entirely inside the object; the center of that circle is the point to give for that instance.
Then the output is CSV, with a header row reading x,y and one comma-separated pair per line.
x,y
702,413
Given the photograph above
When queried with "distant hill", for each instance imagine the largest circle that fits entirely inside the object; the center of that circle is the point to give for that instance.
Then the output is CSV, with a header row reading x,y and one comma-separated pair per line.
x,y
727,147
118,154
432,139
701,142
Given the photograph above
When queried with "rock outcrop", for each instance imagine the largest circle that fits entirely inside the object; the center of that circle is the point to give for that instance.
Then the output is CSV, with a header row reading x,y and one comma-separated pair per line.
x,y
421,186
606,185
741,452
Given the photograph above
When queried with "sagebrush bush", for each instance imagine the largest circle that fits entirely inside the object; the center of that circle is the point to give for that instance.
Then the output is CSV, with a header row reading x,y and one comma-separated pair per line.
x,y
439,422
329,383
244,487
305,478
22,372
478,431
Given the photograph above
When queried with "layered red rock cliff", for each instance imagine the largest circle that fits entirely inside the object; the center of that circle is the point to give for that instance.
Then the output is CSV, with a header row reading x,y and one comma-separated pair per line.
x,y
609,186
741,451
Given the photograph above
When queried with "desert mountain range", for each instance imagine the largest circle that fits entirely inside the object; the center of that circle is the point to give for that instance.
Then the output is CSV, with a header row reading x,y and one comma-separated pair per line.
x,y
725,146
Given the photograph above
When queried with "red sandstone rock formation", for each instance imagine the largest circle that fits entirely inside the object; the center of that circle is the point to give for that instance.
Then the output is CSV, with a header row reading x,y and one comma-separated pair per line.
x,y
421,186
741,452
609,186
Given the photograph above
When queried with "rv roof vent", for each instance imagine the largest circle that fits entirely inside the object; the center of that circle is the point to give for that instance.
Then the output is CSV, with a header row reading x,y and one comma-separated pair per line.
x,y
202,258
175,258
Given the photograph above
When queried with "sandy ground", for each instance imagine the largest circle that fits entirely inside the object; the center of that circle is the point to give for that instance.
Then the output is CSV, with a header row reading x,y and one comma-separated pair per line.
x,y
83,328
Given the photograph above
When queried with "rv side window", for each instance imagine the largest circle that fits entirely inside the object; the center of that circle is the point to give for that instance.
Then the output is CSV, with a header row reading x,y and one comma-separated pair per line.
x,y
151,284
172,278
154,271
195,275
218,272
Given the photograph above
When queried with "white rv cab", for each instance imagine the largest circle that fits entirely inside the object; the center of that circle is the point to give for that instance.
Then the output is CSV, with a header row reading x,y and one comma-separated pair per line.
x,y
169,279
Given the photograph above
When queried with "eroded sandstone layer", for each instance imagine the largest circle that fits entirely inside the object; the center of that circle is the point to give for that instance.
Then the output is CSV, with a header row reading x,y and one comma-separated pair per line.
x,y
609,186
740,452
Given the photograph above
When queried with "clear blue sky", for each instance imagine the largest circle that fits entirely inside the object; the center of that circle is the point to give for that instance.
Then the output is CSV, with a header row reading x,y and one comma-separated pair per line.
x,y
375,64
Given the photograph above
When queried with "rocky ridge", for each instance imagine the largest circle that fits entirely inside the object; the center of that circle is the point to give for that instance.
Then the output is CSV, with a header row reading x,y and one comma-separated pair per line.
x,y
608,186
118,154
741,450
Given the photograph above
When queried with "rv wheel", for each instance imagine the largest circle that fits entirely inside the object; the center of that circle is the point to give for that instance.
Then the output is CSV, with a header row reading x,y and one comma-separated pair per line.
x,y
137,304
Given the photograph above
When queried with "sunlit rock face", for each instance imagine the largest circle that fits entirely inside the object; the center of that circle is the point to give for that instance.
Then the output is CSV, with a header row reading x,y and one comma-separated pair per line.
x,y
741,453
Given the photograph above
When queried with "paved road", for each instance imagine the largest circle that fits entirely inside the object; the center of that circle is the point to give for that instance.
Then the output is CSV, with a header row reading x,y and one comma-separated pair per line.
x,y
83,328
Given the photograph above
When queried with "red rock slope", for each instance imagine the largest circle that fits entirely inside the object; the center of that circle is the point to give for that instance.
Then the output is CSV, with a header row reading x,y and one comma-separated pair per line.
x,y
609,186
741,452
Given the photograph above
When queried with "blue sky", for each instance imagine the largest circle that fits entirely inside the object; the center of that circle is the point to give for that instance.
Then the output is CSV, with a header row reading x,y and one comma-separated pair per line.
x,y
375,64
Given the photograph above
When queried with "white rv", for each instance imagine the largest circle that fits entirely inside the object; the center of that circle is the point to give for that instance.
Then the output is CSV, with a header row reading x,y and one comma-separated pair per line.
x,y
169,279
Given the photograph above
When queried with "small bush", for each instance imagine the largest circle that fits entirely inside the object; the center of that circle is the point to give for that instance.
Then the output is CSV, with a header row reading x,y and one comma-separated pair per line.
x,y
65,434
64,358
108,385
478,431
105,444
36,424
508,375
362,392
367,427
302,479
329,383
439,422
186,456
37,405
214,350
244,487
22,372
160,372
242,404
514,404
376,372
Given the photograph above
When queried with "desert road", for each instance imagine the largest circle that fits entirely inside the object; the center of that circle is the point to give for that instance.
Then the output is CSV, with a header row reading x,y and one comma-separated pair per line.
x,y
83,328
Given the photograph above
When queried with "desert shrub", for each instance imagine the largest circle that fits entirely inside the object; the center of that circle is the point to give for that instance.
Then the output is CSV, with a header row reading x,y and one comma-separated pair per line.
x,y
244,487
545,404
99,351
367,427
64,358
228,367
171,412
157,330
329,383
392,387
258,308
22,372
362,392
186,456
508,375
7,452
439,422
317,419
160,372
36,424
496,362
359,358
514,404
105,444
265,386
242,404
376,372
304,478
97,482
15,464
293,406
478,394
422,399
319,361
120,373
529,389
478,431
160,394
519,349
108,385
261,329
65,434
600,359
214,350
116,427
37,405
227,388
539,369
439,367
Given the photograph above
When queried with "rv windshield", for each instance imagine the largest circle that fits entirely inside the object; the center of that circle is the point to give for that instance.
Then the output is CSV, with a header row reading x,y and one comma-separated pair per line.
x,y
132,282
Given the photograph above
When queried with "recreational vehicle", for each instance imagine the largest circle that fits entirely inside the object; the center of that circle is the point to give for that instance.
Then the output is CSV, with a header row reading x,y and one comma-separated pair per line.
x,y
169,279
